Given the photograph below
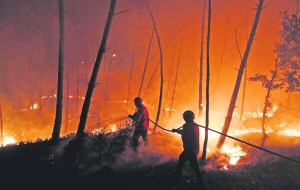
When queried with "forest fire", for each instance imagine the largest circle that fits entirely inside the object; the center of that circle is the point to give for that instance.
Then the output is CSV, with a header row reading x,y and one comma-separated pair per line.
x,y
75,67
234,153
8,141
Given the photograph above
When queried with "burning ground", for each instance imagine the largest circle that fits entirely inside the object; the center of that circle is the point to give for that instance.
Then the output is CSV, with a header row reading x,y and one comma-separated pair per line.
x,y
45,165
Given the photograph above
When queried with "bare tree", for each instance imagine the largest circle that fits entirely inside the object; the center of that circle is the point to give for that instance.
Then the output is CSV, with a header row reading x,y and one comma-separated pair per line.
x,y
239,77
176,78
1,125
246,71
67,105
146,62
200,104
59,100
92,83
207,83
275,82
133,56
161,68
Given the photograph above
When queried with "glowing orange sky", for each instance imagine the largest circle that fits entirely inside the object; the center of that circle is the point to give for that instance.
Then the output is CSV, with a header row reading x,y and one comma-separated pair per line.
x,y
31,38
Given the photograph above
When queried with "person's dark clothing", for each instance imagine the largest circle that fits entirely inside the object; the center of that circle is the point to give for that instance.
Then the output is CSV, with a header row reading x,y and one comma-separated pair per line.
x,y
190,140
141,124
141,118
137,134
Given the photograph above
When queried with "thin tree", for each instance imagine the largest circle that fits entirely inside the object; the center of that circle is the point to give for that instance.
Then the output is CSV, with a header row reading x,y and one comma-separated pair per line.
x,y
275,82
207,83
154,72
170,74
146,62
176,77
161,68
200,104
59,100
133,56
246,71
239,78
1,125
92,83
67,105
224,45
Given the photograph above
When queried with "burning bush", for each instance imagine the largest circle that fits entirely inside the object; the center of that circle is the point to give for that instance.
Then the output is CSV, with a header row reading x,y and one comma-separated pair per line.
x,y
110,145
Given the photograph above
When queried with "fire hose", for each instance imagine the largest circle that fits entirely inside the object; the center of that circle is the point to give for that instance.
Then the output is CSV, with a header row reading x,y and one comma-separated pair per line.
x,y
257,147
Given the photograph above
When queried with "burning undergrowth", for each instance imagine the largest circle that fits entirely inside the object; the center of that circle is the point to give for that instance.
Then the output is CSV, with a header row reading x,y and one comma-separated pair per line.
x,y
106,157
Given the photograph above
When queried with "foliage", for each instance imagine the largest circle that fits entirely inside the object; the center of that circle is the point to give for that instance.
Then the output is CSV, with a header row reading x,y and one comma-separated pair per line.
x,y
267,83
110,145
289,49
75,152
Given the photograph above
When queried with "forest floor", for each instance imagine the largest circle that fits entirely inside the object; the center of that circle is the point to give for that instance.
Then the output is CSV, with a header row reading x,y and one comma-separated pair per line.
x,y
41,165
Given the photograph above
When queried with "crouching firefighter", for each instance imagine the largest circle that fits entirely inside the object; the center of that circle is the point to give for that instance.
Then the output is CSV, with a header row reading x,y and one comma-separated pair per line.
x,y
190,139
141,123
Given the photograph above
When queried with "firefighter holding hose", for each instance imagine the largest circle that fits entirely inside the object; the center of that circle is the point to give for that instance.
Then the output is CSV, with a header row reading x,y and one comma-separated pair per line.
x,y
141,123
190,138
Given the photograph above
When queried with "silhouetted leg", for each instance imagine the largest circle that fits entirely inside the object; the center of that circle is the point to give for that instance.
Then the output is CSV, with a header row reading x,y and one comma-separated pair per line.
x,y
135,139
182,159
145,137
194,165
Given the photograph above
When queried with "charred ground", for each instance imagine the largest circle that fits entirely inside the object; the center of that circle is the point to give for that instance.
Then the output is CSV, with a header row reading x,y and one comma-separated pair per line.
x,y
42,165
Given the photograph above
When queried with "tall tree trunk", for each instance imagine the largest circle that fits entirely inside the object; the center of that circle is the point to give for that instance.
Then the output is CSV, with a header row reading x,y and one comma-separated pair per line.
x,y
220,66
239,77
245,74
152,76
176,77
91,86
267,102
59,100
11,65
28,99
67,105
78,52
200,103
146,63
264,135
170,74
161,69
133,56
207,83
1,125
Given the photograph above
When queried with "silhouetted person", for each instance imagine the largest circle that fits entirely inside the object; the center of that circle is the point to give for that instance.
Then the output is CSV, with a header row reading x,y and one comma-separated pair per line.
x,y
141,123
190,139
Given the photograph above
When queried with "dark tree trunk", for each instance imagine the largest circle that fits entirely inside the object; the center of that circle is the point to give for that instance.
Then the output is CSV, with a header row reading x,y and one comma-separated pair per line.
x,y
1,125
133,56
161,69
67,103
239,77
58,115
267,101
200,106
176,78
245,75
207,83
146,63
91,86
220,66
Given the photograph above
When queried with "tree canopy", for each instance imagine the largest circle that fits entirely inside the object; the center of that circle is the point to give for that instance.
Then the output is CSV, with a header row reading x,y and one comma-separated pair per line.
x,y
288,49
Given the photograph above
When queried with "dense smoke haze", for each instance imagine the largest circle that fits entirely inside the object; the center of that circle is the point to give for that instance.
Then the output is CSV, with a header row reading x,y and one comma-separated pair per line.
x,y
29,56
